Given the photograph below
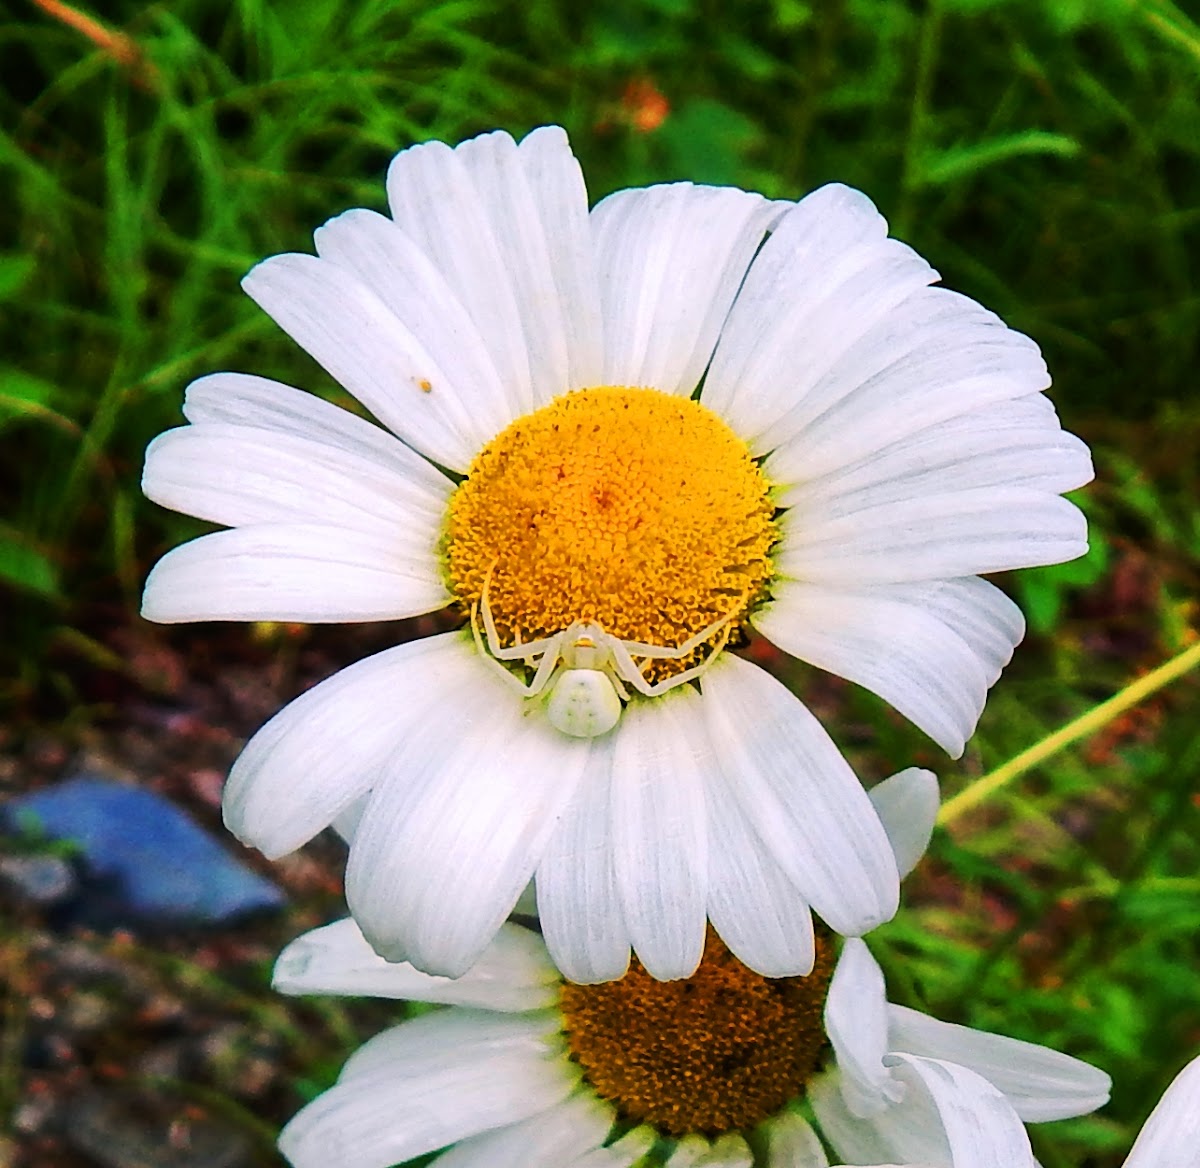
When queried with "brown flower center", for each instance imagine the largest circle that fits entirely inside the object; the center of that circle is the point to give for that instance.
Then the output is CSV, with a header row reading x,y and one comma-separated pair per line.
x,y
720,1050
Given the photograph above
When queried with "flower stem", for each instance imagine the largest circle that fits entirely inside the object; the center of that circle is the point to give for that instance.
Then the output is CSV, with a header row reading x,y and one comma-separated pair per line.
x,y
1081,727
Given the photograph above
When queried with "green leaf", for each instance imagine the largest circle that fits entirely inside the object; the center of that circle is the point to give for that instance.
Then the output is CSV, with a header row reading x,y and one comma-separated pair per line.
x,y
22,393
15,269
940,167
26,567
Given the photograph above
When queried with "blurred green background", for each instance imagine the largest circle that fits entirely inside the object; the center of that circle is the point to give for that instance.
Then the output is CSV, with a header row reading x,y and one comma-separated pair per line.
x,y
1044,155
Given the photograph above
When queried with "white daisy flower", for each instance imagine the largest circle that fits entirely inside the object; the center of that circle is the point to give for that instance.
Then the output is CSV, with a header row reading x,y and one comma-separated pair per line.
x,y
1171,1136
725,1069
615,440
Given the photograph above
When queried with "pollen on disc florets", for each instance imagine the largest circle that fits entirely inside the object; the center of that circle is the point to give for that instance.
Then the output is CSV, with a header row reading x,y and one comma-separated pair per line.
x,y
632,508
719,1051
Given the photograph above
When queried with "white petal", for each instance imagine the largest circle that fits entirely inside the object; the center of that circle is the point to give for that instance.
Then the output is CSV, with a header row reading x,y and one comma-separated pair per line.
x,y
659,830
856,1021
550,1139
628,1150
824,278
963,533
236,475
931,649
514,974
294,572
556,181
579,907
458,824
981,1128
727,1151
791,1143
1040,1083
424,1085
949,1118
346,821
1171,1136
437,1038
1012,443
670,261
547,273
801,797
851,1138
907,804
933,356
752,904
392,267
345,327
240,399
436,200
319,755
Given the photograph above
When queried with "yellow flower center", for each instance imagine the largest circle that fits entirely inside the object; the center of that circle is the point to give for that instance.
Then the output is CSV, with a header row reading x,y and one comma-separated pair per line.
x,y
635,509
721,1050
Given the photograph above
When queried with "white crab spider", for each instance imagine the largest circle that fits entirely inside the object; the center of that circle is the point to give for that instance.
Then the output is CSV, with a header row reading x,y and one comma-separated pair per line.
x,y
584,669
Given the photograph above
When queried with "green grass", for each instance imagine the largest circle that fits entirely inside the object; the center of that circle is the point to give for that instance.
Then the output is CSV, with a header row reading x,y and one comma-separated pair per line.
x,y
1043,156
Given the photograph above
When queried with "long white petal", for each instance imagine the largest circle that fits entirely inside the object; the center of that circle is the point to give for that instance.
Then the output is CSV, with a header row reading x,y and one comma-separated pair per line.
x,y
1171,1136
437,1037
458,824
386,261
235,475
550,1139
240,399
856,1021
907,804
932,356
345,327
660,830
295,572
758,912
1013,443
931,649
514,974
850,1137
579,906
949,1118
426,1084
670,260
319,755
1040,1083
962,533
981,1128
826,276
556,181
441,198
801,797
544,270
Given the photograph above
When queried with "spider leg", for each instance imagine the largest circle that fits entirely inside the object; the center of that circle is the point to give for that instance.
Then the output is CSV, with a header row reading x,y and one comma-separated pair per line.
x,y
547,668
622,692
629,671
639,649
522,650
513,681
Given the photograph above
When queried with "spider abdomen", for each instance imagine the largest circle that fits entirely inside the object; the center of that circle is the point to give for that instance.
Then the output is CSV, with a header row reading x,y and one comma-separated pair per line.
x,y
583,703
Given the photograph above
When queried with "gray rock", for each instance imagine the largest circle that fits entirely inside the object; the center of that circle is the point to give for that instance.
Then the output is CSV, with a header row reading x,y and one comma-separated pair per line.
x,y
146,861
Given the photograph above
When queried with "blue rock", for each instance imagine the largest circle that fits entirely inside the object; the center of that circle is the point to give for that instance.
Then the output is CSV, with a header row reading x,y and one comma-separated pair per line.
x,y
145,860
